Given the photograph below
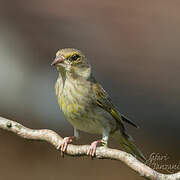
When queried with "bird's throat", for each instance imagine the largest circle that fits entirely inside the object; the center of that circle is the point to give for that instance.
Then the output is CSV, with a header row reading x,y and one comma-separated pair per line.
x,y
62,74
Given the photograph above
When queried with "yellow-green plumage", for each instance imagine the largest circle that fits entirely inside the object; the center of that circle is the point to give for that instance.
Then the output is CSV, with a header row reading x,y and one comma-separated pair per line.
x,y
85,103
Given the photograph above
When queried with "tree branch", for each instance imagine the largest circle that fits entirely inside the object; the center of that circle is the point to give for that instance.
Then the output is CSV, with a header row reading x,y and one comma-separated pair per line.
x,y
75,150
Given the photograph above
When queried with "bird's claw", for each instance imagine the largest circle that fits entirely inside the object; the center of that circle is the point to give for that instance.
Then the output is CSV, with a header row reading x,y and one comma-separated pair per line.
x,y
63,145
92,149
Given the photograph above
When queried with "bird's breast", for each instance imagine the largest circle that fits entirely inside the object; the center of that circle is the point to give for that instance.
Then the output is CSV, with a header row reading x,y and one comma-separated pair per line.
x,y
73,97
78,104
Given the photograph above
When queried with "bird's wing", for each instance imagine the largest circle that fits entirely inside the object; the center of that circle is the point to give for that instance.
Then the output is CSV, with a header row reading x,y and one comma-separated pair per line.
x,y
103,100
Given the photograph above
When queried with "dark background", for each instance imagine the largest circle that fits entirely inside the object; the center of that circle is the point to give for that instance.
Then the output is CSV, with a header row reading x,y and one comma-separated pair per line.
x,y
133,47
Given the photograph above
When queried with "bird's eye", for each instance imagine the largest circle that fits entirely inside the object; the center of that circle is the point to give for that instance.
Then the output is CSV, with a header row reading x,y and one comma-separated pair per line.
x,y
75,57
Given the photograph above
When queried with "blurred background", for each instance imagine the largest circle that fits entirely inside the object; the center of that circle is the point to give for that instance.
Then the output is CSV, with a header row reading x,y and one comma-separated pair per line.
x,y
133,47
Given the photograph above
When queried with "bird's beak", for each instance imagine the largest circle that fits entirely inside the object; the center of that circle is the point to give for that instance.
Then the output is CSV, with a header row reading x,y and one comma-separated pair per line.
x,y
58,59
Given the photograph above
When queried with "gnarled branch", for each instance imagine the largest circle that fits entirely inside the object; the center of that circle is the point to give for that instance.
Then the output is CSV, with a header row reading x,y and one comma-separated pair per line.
x,y
76,150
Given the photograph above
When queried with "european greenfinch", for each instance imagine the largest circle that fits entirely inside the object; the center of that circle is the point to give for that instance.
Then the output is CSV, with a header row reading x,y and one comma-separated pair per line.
x,y
86,105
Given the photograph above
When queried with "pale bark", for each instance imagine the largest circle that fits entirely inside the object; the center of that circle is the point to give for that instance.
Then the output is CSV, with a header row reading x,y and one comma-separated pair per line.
x,y
76,150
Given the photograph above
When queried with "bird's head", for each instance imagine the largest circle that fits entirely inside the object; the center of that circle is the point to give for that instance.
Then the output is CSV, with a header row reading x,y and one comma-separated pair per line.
x,y
73,62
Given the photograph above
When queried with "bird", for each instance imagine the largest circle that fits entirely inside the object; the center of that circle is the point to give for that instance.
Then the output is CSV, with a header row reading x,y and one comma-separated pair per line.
x,y
87,106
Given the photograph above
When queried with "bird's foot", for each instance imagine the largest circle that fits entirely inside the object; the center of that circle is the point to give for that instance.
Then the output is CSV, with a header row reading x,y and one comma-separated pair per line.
x,y
92,148
63,145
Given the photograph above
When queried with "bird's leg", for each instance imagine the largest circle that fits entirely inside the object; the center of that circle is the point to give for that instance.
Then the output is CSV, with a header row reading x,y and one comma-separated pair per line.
x,y
63,145
103,141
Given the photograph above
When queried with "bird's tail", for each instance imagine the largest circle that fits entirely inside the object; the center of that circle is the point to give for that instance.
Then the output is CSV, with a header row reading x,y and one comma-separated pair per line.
x,y
126,142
